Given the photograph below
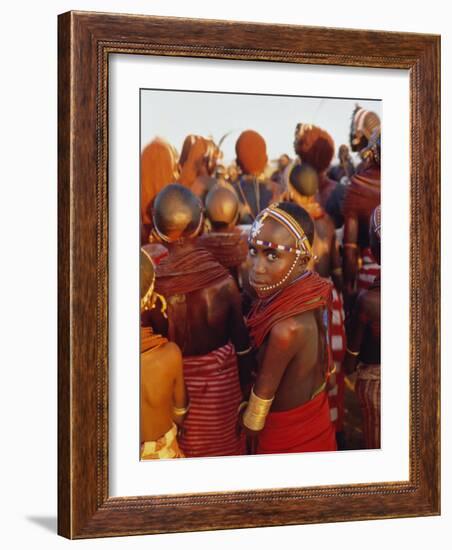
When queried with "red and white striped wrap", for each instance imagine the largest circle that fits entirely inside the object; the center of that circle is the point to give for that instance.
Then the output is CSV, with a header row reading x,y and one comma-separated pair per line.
x,y
338,346
213,387
369,270
368,391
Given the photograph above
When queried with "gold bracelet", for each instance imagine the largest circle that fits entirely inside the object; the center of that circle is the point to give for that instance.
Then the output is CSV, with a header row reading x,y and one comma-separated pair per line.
x,y
354,353
181,411
337,270
256,412
242,405
244,352
350,245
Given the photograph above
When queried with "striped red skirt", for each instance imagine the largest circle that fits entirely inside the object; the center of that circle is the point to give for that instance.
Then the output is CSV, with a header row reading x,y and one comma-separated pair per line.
x,y
368,271
338,346
367,390
210,427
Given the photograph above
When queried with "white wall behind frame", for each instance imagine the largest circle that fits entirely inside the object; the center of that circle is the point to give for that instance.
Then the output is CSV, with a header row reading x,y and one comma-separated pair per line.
x,y
28,217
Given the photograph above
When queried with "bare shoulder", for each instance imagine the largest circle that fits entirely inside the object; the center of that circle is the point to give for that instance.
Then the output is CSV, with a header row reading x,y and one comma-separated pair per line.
x,y
230,284
168,356
229,289
172,352
286,332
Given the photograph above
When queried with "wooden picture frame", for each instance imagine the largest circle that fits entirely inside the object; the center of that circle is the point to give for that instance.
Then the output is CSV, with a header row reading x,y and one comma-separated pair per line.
x,y
85,42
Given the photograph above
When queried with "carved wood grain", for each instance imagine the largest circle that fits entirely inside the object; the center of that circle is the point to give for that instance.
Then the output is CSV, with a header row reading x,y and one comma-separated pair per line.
x,y
85,42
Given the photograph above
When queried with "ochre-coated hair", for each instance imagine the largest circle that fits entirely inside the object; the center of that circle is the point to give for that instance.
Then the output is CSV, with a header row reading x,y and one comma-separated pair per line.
x,y
251,152
198,158
314,146
158,168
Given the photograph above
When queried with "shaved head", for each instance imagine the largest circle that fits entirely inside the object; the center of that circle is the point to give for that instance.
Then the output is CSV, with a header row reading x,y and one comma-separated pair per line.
x,y
304,179
177,213
222,205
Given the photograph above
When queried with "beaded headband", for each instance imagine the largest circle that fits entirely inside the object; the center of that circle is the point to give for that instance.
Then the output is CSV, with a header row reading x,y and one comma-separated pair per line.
x,y
303,247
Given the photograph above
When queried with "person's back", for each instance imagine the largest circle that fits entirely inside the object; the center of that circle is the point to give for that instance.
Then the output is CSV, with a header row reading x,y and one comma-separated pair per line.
x,y
163,401
161,387
201,320
305,371
204,318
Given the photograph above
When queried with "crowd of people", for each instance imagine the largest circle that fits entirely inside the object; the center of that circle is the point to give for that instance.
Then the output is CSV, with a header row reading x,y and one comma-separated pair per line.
x,y
260,294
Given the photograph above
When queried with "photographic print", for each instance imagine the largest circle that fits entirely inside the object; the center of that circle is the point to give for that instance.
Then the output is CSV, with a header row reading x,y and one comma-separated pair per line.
x,y
259,274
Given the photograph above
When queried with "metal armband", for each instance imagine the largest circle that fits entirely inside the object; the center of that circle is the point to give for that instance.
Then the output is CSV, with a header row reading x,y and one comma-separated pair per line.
x,y
256,412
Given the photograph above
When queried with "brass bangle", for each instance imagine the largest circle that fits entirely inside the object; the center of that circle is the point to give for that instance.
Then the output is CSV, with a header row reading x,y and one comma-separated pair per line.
x,y
350,245
256,412
354,353
180,411
337,270
245,351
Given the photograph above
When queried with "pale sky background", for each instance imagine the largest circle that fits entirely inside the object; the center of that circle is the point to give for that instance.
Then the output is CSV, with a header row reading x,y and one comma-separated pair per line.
x,y
173,115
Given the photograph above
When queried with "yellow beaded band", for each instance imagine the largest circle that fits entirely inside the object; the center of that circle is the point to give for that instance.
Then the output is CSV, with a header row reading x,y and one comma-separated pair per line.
x,y
256,412
180,411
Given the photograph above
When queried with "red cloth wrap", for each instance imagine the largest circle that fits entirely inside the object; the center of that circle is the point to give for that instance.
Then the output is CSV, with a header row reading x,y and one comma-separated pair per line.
x,y
213,388
363,193
304,294
306,428
188,271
